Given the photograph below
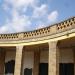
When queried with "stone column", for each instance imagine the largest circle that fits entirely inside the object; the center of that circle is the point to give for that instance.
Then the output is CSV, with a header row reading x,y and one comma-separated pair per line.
x,y
53,59
74,59
36,62
2,62
18,60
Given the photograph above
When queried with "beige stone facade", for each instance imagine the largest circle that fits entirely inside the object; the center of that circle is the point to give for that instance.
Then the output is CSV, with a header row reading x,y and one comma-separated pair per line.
x,y
26,52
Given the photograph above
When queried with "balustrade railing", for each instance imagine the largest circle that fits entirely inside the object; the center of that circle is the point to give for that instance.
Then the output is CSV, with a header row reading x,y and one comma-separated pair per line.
x,y
59,27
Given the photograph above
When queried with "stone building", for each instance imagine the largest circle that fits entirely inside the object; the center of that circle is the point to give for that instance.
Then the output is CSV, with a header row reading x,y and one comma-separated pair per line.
x,y
46,51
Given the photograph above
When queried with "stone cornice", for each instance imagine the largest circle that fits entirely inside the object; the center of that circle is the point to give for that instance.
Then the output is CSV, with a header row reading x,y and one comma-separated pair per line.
x,y
39,34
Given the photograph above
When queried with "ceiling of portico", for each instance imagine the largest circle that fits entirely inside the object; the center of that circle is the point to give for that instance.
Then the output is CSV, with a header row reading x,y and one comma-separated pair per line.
x,y
8,48
67,43
36,47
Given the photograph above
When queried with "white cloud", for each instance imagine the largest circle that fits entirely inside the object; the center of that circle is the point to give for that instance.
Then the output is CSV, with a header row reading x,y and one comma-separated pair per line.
x,y
40,26
53,16
40,11
20,3
21,22
4,29
16,24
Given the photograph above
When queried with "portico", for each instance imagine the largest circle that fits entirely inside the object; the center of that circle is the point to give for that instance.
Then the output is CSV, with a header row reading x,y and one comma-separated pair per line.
x,y
53,55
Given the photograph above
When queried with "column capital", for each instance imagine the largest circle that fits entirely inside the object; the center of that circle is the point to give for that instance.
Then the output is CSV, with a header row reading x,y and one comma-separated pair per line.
x,y
53,44
50,42
19,47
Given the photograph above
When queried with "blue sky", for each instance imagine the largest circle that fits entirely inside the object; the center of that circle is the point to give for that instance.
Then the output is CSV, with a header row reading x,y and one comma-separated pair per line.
x,y
27,15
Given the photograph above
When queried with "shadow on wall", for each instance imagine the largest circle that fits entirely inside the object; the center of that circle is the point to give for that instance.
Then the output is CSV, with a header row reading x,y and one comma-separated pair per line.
x,y
9,67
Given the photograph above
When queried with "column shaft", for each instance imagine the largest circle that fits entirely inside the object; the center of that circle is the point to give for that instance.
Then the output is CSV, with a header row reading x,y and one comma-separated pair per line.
x,y
53,58
36,62
74,60
2,62
18,60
